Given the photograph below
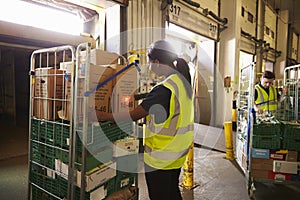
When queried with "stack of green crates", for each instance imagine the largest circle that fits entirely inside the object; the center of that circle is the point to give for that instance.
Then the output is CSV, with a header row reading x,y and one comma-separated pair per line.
x,y
56,136
290,135
266,135
50,141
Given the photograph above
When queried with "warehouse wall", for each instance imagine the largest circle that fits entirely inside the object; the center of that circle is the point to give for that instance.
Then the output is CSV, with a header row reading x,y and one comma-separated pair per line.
x,y
228,50
281,44
14,96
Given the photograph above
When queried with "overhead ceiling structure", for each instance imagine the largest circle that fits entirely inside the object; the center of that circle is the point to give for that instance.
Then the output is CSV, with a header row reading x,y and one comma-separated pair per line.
x,y
85,12
293,6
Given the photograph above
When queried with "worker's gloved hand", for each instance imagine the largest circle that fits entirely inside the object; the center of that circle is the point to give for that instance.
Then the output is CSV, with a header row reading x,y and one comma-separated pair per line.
x,y
259,111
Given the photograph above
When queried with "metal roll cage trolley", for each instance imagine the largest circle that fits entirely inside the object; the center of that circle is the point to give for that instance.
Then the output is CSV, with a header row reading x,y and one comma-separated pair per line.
x,y
70,156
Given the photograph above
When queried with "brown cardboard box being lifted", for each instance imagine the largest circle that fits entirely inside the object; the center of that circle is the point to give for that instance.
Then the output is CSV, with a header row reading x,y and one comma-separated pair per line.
x,y
99,99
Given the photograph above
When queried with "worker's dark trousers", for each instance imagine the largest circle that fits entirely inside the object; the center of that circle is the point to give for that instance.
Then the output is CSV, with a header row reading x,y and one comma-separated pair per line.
x,y
163,184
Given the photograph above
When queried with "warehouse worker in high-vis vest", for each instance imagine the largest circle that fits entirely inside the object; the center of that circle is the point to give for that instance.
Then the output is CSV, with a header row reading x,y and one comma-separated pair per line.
x,y
170,129
266,95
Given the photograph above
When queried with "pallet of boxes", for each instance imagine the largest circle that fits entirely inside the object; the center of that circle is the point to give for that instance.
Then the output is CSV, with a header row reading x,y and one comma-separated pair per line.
x,y
275,150
110,149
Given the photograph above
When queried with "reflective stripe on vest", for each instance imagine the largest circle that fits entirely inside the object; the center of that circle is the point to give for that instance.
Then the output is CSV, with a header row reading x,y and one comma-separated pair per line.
x,y
167,143
264,101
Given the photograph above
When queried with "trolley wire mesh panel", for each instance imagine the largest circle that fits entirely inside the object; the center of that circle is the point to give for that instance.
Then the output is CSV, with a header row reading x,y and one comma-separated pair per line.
x,y
99,172
268,145
49,130
290,112
289,105
245,122
244,107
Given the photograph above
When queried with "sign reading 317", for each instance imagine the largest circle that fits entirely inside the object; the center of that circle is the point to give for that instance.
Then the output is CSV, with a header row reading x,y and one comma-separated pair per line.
x,y
186,17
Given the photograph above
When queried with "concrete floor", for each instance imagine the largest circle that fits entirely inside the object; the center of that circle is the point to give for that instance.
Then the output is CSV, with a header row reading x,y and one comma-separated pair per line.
x,y
218,178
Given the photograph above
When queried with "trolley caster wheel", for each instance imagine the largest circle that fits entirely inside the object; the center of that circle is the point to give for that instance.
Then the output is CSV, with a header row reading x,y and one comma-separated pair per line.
x,y
251,191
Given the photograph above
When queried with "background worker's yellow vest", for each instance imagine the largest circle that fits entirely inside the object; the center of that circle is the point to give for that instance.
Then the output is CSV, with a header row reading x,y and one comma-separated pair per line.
x,y
167,143
266,102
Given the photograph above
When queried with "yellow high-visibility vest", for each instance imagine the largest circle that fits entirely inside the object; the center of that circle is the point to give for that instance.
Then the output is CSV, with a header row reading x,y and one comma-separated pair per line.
x,y
167,143
264,101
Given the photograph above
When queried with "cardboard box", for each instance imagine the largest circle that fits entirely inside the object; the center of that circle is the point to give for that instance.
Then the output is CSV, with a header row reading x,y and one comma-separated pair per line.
x,y
277,156
100,57
68,67
48,92
262,164
279,176
99,193
46,109
101,98
68,90
124,88
61,169
125,146
291,156
98,177
260,153
65,113
258,173
285,167
48,83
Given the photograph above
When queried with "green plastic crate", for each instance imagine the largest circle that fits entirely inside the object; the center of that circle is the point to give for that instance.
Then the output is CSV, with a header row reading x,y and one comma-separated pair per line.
x,y
92,159
266,141
38,194
46,183
43,154
266,129
124,180
291,144
50,132
103,134
290,130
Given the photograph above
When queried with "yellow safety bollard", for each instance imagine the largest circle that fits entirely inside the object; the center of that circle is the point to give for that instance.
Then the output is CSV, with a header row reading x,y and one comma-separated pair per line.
x,y
188,170
228,140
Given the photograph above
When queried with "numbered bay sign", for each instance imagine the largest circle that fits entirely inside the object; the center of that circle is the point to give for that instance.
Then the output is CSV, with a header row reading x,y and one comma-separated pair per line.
x,y
187,17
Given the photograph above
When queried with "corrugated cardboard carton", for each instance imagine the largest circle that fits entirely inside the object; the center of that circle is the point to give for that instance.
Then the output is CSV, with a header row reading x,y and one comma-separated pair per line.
x,y
48,93
125,86
100,57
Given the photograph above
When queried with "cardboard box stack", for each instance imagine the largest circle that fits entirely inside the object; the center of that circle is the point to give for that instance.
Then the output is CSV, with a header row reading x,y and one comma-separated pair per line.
x,y
48,93
116,95
279,162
